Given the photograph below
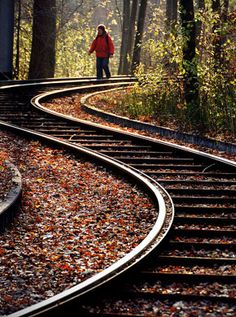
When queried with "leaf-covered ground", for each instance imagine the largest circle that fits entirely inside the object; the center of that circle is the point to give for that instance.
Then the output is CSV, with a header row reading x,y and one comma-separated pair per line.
x,y
114,102
76,219
71,106
51,246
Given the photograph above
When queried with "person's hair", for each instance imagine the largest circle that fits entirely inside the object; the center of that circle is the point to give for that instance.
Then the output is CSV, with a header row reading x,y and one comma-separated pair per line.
x,y
102,27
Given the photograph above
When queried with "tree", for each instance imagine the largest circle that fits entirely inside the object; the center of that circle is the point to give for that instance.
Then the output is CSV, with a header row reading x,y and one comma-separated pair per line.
x,y
201,4
191,86
6,38
17,59
128,30
216,30
201,8
42,61
224,16
139,35
124,42
171,13
221,12
131,32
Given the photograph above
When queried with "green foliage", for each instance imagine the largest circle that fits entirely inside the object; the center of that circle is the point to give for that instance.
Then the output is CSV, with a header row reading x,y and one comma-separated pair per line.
x,y
160,75
72,51
76,28
160,91
217,87
25,48
25,38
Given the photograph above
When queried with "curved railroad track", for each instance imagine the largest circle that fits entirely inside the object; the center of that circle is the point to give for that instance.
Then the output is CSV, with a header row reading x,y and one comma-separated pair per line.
x,y
194,273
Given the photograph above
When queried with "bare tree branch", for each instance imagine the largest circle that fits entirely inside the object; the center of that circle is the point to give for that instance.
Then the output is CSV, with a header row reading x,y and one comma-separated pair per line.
x,y
64,21
119,14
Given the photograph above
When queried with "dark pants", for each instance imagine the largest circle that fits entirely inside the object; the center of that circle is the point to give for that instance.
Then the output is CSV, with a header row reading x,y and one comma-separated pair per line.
x,y
103,63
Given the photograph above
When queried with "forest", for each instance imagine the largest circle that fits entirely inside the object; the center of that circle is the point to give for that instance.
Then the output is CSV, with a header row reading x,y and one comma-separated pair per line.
x,y
181,51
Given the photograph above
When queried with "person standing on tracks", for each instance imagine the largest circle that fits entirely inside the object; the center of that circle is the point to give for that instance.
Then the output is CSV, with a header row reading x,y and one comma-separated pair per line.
x,y
104,48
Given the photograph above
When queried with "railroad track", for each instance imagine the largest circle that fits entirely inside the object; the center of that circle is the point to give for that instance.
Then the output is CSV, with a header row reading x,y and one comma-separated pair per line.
x,y
193,274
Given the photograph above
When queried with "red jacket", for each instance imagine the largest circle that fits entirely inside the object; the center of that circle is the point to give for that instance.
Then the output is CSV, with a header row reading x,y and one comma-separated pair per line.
x,y
102,45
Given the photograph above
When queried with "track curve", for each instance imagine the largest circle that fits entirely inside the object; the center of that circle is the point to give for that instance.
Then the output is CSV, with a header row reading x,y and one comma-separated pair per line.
x,y
201,243
154,237
10,203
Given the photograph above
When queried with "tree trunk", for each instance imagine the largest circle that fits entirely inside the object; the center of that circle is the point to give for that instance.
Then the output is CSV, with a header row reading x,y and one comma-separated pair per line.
x,y
223,19
124,42
171,20
201,8
139,36
171,13
221,12
130,40
42,61
216,33
215,5
6,38
201,4
191,87
225,9
17,61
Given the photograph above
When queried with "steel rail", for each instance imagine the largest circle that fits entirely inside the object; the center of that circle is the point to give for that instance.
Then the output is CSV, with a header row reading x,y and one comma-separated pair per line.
x,y
37,100
155,236
220,169
211,164
59,79
65,81
163,131
144,248
10,204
